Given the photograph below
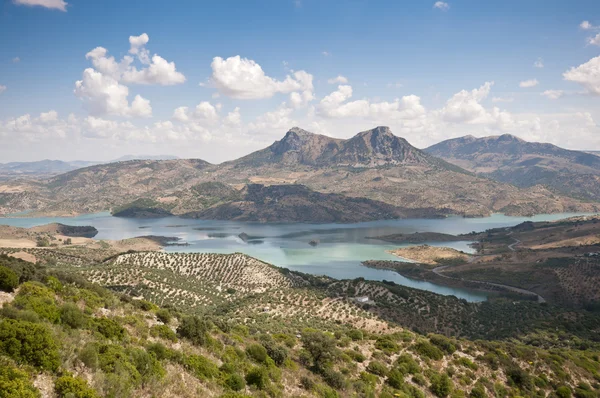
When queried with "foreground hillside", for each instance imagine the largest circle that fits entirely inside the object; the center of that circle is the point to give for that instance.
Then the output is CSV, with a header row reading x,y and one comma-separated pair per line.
x,y
61,336
374,164
525,164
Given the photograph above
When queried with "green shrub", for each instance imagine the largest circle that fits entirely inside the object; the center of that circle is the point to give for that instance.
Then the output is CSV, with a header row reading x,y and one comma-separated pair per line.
x,y
467,363
72,316
143,305
9,280
428,350
15,383
164,315
441,385
38,298
320,347
73,387
356,356
407,364
387,345
235,382
333,379
563,392
163,332
478,391
355,334
201,367
257,353
146,364
194,329
29,343
89,356
377,368
110,328
395,379
258,377
443,342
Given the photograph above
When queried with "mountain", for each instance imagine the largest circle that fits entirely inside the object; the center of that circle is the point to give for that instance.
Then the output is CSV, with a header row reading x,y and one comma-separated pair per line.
x,y
297,203
126,158
374,164
509,159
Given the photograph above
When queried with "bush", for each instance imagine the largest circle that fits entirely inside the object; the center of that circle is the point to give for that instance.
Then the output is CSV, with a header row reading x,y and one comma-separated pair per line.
x,y
202,367
164,315
563,392
478,391
355,334
194,329
235,382
258,377
9,280
72,316
146,364
407,364
387,345
163,332
321,347
38,298
426,349
110,328
15,383
29,343
444,343
257,353
441,385
334,379
395,379
73,387
377,368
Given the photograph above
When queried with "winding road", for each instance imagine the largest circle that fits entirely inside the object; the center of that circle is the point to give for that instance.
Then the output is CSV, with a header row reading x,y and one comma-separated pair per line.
x,y
438,272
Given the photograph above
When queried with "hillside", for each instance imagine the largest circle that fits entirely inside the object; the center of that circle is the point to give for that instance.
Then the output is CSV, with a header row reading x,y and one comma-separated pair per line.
x,y
296,203
525,164
374,164
230,326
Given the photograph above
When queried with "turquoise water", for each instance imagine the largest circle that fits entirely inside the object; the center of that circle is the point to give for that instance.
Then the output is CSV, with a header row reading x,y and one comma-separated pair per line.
x,y
341,247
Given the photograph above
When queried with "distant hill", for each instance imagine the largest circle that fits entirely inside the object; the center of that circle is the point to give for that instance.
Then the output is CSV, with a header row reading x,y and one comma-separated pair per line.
x,y
144,157
509,159
297,203
374,164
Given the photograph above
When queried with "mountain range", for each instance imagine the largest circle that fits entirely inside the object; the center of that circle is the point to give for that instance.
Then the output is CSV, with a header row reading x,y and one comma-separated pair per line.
x,y
509,159
375,165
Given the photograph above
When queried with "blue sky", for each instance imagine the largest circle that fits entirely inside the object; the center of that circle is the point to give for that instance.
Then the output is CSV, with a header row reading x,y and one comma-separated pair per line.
x,y
430,72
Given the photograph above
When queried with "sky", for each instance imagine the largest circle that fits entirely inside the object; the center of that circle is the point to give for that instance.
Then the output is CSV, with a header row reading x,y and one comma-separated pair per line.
x,y
99,79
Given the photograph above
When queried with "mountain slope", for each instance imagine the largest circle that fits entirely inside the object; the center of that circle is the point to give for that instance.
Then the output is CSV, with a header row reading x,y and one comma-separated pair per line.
x,y
525,164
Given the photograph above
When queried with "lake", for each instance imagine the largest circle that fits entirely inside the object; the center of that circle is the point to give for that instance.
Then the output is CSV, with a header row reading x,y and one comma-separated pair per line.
x,y
340,250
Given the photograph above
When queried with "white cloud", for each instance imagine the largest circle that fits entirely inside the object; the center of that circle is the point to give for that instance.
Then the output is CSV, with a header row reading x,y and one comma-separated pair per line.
x,y
159,71
465,106
104,95
395,85
325,53
553,94
539,63
243,78
233,118
586,25
338,80
52,4
336,105
2,89
594,40
529,83
587,74
441,5
137,44
16,60
502,99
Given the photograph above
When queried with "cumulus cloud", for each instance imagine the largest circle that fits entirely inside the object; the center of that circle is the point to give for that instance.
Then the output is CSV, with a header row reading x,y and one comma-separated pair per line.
x,y
159,71
441,5
553,94
2,89
539,63
336,105
243,78
587,75
104,95
465,106
52,4
16,60
594,40
529,83
338,80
